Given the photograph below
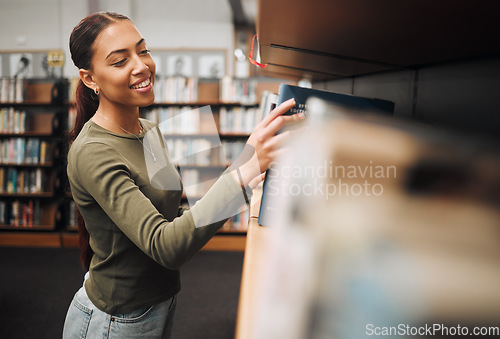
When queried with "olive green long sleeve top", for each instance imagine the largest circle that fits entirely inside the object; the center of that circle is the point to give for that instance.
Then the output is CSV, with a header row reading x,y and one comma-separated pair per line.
x,y
138,232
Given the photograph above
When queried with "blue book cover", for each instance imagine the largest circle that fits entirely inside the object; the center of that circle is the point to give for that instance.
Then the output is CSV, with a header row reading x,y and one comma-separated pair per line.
x,y
301,95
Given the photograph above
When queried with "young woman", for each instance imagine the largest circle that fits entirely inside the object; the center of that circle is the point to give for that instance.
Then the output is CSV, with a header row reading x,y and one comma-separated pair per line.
x,y
135,235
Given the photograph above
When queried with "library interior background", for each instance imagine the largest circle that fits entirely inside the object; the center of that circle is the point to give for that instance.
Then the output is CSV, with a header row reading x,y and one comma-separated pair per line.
x,y
381,224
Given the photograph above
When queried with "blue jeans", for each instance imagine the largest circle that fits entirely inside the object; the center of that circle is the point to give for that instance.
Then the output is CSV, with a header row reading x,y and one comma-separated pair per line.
x,y
84,320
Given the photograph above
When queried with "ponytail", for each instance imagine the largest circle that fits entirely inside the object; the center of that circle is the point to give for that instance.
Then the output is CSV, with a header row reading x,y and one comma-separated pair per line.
x,y
86,105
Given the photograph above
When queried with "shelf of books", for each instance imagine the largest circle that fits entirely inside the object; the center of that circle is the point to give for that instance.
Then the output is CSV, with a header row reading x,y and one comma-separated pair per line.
x,y
31,118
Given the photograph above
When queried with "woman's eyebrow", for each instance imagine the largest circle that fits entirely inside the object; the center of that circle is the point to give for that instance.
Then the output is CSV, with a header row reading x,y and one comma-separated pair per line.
x,y
123,49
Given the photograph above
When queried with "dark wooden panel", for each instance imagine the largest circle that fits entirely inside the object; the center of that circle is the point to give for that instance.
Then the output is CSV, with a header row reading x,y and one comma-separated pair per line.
x,y
384,33
320,65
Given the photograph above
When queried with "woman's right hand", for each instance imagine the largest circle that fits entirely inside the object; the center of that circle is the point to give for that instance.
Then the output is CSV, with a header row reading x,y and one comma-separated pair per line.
x,y
263,145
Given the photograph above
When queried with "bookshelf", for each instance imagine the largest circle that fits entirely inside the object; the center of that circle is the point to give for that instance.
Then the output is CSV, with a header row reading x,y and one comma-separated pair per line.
x,y
324,41
32,116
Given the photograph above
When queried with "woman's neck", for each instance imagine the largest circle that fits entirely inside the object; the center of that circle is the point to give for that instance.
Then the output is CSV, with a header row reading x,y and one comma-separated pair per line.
x,y
119,120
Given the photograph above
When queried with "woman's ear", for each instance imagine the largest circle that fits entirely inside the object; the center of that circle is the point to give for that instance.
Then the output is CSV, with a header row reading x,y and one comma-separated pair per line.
x,y
87,78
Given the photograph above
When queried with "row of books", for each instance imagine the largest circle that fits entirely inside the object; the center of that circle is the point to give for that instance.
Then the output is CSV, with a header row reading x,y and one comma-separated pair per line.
x,y
178,120
238,222
12,120
12,89
231,150
238,119
197,182
193,120
192,151
243,91
20,213
21,151
176,89
13,180
179,89
204,151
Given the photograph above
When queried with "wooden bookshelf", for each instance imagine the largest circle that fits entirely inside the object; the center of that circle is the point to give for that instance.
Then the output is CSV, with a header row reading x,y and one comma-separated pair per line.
x,y
30,134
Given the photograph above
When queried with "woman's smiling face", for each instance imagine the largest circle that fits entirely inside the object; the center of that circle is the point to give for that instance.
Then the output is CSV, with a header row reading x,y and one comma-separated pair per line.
x,y
122,67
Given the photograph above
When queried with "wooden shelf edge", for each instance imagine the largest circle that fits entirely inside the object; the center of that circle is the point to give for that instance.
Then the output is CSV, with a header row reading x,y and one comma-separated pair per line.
x,y
30,239
27,195
24,228
29,165
234,243
33,104
68,239
27,134
230,231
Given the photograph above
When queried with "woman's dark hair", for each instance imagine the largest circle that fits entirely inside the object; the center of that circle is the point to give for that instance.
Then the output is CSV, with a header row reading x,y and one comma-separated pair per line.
x,y
81,48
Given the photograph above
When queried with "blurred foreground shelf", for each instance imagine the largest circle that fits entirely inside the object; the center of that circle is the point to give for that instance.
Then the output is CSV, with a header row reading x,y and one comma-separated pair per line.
x,y
221,242
404,230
